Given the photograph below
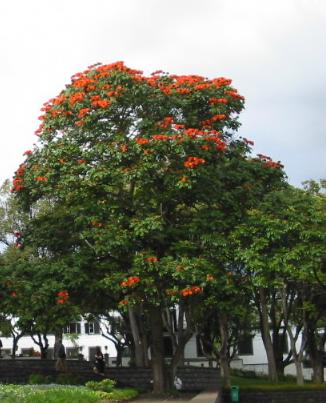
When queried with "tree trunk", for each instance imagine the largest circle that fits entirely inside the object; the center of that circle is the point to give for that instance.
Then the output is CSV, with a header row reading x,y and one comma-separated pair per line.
x,y
138,345
223,329
178,356
157,350
315,353
267,340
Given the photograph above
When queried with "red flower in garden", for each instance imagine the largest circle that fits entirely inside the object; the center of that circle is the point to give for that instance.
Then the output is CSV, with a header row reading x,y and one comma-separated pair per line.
x,y
13,294
124,302
28,152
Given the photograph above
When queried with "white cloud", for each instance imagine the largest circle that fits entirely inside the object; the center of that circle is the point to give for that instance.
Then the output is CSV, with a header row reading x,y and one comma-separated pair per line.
x,y
273,50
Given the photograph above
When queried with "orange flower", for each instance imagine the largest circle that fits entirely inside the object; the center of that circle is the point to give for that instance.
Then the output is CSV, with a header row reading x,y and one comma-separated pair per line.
x,y
124,148
142,140
152,259
77,97
147,152
186,292
62,297
124,302
184,179
192,162
130,281
41,179
83,112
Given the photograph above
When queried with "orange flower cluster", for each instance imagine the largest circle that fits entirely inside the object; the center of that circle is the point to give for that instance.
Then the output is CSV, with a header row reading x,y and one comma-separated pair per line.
x,y
166,122
220,144
83,112
161,137
98,102
124,302
214,101
18,182
97,224
141,141
215,118
41,179
192,162
130,281
62,297
186,292
269,162
234,94
77,97
152,259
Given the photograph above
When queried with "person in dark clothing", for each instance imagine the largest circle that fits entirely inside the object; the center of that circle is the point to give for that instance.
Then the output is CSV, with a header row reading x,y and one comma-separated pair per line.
x,y
99,362
60,355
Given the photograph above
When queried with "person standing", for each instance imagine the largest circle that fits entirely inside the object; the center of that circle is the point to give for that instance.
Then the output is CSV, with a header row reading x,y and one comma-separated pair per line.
x,y
60,355
99,362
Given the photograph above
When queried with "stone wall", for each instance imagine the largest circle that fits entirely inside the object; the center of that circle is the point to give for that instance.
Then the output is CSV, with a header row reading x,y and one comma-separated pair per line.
x,y
289,396
193,378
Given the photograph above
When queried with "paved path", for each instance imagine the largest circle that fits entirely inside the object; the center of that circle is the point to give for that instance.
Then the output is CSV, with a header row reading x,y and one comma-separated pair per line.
x,y
203,397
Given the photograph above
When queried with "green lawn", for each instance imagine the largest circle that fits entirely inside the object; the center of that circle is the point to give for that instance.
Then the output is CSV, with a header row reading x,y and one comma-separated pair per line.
x,y
262,383
60,394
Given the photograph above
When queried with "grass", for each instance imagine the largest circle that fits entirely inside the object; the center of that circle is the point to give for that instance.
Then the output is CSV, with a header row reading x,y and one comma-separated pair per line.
x,y
263,384
60,394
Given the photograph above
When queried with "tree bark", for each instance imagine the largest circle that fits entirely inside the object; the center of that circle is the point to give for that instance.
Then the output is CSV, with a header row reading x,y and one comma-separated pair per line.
x,y
316,352
138,345
267,340
160,383
223,329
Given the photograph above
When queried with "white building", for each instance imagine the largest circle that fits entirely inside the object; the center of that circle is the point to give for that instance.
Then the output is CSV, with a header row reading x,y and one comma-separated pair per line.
x,y
82,337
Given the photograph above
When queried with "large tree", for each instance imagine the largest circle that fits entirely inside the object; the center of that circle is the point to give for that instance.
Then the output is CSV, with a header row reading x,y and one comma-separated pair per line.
x,y
147,170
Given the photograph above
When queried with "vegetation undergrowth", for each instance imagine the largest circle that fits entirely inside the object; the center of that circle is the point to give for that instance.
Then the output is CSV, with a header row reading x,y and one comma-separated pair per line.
x,y
256,382
61,394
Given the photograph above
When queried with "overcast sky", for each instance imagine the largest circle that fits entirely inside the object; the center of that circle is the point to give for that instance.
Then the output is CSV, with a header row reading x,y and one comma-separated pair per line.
x,y
275,52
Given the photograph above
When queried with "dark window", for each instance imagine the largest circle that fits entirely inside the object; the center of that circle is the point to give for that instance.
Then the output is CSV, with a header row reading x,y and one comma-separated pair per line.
x,y
168,348
245,346
73,327
92,328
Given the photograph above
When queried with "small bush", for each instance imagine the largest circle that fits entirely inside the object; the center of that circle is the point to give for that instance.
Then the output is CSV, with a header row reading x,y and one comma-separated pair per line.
x,y
106,385
118,394
39,379
68,379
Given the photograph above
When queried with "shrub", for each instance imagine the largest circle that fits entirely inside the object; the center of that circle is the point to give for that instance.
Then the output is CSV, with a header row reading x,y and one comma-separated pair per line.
x,y
106,385
39,379
118,394
68,379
